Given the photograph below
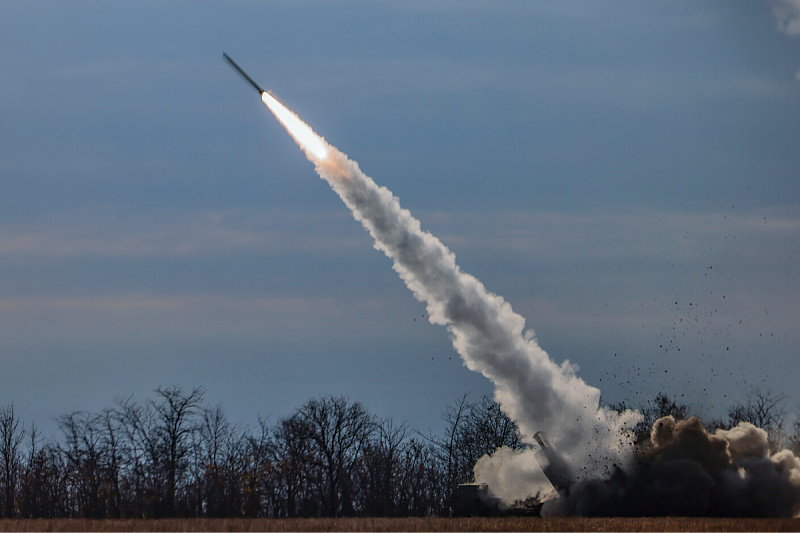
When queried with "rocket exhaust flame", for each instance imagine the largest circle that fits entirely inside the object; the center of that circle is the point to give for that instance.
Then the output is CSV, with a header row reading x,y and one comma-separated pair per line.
x,y
313,144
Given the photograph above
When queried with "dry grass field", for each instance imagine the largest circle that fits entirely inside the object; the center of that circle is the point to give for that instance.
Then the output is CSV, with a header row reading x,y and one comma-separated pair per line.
x,y
411,524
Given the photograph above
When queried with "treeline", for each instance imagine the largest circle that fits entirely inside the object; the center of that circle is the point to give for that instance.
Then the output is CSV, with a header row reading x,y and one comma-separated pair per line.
x,y
174,456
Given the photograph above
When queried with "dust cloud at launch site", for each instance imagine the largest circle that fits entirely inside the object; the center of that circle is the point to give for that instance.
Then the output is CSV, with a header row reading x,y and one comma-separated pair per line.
x,y
687,471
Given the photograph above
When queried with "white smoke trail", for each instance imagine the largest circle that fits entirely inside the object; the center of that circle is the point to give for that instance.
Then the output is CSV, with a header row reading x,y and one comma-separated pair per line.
x,y
533,390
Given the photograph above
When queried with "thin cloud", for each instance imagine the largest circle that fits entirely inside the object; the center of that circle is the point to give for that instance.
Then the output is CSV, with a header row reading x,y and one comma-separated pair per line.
x,y
107,316
107,232
787,13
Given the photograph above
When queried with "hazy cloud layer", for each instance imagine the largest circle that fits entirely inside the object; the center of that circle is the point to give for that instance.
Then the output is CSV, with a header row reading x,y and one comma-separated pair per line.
x,y
664,290
787,12
607,169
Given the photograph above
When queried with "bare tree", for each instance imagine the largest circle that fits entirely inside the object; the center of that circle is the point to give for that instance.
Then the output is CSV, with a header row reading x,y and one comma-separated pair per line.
x,y
420,481
379,474
398,475
10,439
142,479
260,485
221,448
112,445
155,441
44,492
174,412
763,409
454,417
297,473
82,450
659,407
488,428
338,430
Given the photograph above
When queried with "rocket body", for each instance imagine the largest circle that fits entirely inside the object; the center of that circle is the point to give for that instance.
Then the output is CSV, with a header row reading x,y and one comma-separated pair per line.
x,y
314,145
243,73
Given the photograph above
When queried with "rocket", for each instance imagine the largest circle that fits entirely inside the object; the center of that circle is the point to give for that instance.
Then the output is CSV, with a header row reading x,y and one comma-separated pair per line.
x,y
243,73
313,144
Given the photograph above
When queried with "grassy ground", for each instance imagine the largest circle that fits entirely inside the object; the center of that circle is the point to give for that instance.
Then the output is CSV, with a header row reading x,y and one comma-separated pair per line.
x,y
411,524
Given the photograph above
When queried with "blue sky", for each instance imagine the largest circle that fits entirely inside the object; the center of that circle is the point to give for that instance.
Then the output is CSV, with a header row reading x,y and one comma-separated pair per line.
x,y
625,174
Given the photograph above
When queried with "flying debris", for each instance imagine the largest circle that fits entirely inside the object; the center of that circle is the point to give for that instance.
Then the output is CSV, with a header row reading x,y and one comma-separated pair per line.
x,y
243,73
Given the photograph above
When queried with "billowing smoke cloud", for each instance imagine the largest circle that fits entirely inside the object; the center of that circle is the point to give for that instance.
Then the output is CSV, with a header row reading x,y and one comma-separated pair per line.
x,y
533,390
513,475
690,472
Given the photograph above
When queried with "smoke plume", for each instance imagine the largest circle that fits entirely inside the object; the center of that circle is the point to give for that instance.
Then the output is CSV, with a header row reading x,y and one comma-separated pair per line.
x,y
512,475
690,472
687,471
534,391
